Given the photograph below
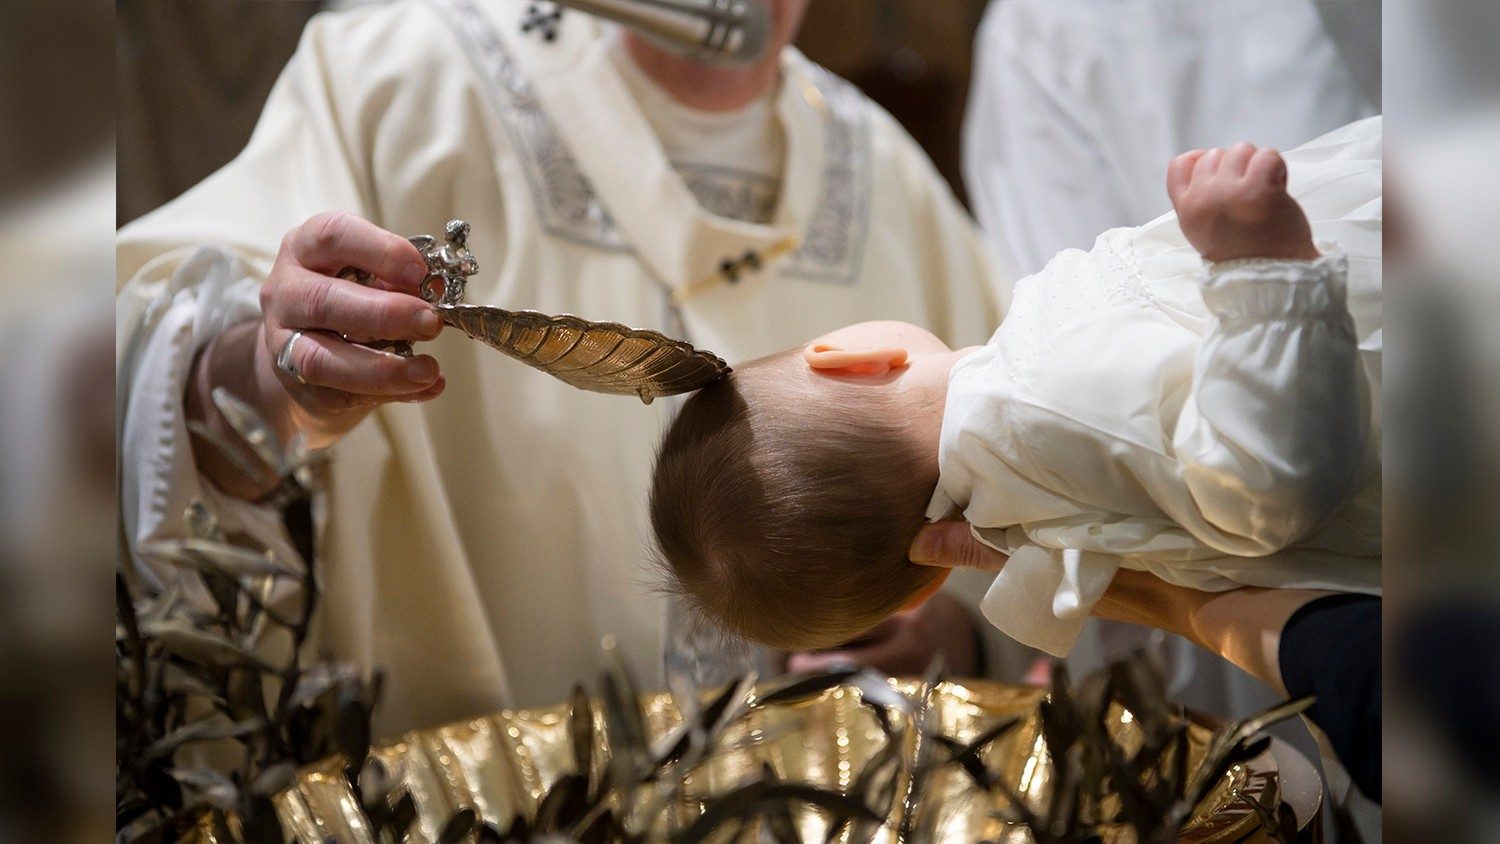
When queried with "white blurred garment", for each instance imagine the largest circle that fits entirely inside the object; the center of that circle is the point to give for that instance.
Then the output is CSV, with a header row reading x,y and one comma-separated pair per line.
x,y
478,547
1077,107
1214,429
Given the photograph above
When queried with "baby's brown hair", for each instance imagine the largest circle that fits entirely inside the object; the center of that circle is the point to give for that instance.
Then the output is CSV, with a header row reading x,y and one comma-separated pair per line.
x,y
783,509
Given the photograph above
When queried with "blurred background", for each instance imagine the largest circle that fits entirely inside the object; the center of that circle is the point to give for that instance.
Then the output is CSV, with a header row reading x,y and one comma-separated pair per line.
x,y
180,93
56,431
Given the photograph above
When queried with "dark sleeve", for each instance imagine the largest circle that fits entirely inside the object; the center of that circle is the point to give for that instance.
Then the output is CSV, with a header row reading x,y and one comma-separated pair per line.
x,y
1331,649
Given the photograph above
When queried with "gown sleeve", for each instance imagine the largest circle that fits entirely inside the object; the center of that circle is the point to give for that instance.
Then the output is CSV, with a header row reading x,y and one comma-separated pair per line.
x,y
1273,436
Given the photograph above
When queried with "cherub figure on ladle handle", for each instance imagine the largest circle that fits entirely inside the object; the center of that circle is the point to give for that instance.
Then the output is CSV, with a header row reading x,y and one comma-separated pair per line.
x,y
448,268
450,264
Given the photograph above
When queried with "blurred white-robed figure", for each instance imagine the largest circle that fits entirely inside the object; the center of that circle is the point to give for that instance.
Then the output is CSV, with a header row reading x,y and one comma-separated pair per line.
x,y
1076,108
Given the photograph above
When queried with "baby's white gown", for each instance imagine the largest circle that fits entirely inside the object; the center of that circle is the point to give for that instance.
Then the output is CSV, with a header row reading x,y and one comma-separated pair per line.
x,y
1216,429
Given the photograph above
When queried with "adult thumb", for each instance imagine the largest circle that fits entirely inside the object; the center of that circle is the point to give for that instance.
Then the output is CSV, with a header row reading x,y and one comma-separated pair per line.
x,y
952,545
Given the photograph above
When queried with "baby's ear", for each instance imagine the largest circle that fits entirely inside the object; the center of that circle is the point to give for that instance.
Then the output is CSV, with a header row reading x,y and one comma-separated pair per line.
x,y
873,361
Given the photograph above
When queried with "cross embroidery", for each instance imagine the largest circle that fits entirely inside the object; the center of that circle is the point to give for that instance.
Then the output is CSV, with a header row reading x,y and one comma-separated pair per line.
x,y
543,18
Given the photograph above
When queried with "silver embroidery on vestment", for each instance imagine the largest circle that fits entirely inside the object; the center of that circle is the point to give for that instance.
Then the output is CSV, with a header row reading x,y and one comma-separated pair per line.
x,y
834,240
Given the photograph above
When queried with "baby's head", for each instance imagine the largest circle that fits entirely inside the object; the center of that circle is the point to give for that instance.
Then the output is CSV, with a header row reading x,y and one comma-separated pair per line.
x,y
786,496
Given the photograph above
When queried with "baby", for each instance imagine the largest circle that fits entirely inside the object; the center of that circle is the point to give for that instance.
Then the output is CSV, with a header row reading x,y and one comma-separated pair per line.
x,y
1214,428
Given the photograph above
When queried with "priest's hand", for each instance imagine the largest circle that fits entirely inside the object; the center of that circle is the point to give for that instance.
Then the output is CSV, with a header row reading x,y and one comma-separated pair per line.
x,y
904,644
323,384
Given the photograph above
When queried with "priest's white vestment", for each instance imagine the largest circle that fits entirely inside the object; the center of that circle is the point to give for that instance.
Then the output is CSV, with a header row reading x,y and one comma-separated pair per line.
x,y
476,548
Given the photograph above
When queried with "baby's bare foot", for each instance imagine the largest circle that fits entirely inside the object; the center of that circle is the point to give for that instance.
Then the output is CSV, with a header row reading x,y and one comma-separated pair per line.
x,y
1234,204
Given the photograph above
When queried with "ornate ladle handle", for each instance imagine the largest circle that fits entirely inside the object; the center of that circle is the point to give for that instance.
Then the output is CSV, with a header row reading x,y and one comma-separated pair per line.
x,y
448,268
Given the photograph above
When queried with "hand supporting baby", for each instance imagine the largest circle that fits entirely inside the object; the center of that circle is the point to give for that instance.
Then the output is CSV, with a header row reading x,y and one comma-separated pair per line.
x,y
1242,625
1234,204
